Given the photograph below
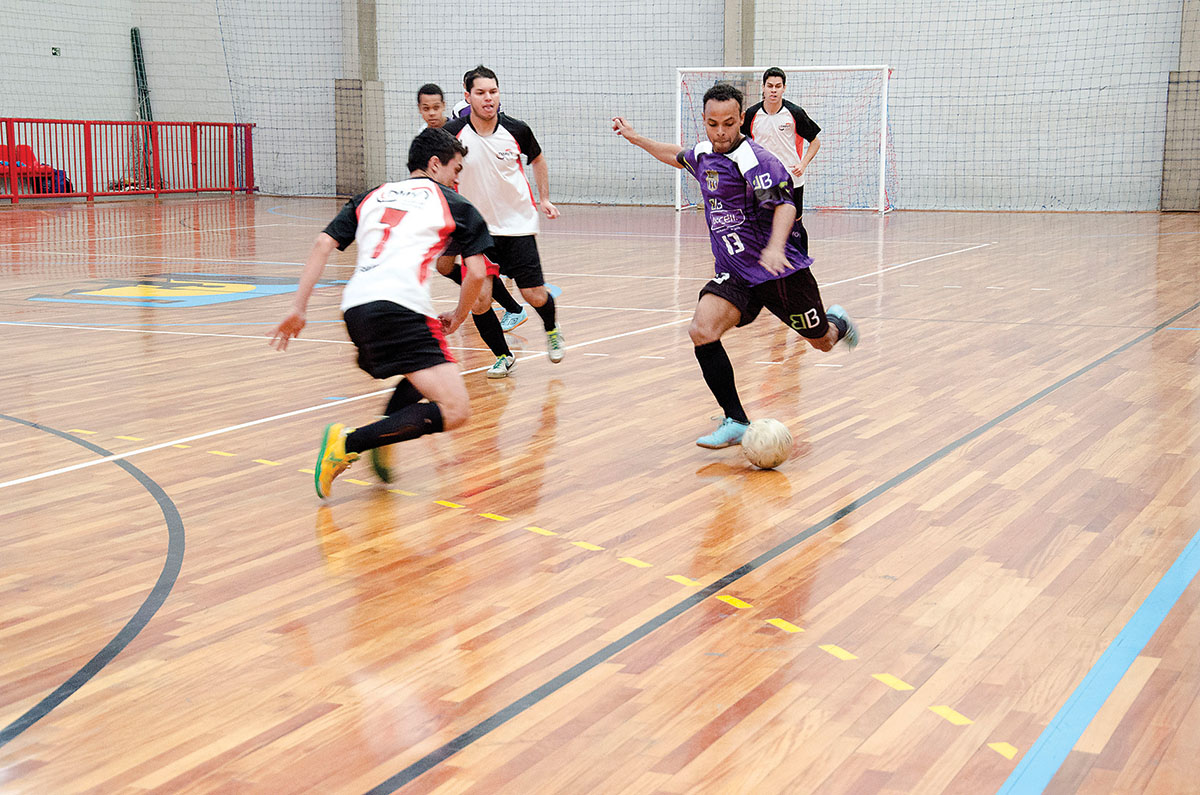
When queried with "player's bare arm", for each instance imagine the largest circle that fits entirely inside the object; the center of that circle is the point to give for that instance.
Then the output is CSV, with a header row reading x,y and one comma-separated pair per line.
x,y
665,152
810,152
314,266
474,278
541,175
773,257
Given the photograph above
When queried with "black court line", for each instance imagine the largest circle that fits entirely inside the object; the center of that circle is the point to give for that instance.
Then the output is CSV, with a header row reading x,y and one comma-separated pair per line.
x,y
158,594
523,703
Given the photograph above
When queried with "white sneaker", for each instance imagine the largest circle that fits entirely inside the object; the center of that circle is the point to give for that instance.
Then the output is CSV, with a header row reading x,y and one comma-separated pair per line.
x,y
502,367
557,345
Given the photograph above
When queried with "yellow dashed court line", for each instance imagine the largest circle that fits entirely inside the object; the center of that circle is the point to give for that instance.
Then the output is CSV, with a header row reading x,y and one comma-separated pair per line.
x,y
587,546
358,482
733,600
131,438
786,626
80,430
838,651
181,446
679,578
402,491
308,471
641,564
448,504
893,682
223,455
1004,749
495,517
957,718
541,531
266,462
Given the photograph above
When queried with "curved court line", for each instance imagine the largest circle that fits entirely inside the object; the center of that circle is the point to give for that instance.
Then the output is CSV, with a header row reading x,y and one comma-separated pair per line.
x,y
286,414
156,598
507,713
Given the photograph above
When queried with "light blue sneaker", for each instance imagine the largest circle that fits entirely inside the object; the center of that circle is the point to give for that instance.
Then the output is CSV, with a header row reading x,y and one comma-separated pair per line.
x,y
513,319
851,336
727,434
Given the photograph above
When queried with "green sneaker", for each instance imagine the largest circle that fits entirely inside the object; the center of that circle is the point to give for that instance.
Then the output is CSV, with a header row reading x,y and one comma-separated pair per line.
x,y
381,462
332,458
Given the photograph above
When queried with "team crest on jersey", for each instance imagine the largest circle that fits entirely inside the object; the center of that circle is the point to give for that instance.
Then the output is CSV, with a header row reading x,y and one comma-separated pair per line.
x,y
710,178
507,154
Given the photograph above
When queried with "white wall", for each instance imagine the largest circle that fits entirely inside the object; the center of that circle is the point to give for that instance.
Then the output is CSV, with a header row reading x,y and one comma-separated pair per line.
x,y
564,68
995,104
91,79
1004,104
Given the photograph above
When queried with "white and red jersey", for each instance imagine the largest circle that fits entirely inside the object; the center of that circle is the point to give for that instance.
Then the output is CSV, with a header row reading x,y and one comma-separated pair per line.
x,y
493,177
783,134
401,228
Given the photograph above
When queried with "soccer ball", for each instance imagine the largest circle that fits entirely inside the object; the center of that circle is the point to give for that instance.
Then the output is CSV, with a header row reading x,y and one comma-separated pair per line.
x,y
767,443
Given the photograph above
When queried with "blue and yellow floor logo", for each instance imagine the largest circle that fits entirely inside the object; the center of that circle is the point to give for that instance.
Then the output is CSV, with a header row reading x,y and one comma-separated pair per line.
x,y
177,290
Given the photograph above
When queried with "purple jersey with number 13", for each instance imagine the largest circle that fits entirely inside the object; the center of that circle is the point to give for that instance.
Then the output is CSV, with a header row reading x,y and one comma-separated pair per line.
x,y
741,190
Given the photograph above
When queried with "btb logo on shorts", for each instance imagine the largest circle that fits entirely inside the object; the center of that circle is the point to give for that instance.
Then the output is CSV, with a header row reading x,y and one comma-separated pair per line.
x,y
809,319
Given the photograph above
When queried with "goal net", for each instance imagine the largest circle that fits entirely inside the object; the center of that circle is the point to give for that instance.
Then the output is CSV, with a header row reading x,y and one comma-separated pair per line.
x,y
852,170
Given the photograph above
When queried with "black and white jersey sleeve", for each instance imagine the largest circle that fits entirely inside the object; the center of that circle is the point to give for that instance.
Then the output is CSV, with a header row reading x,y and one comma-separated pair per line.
x,y
806,128
523,135
748,120
345,224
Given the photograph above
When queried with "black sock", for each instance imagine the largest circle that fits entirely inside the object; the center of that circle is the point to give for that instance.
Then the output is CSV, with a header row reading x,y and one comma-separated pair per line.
x,y
455,274
405,395
409,422
493,336
838,323
546,312
718,374
501,296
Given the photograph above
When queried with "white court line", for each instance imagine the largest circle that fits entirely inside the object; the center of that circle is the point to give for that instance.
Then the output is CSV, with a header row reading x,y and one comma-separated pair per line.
x,y
260,337
322,405
156,234
904,265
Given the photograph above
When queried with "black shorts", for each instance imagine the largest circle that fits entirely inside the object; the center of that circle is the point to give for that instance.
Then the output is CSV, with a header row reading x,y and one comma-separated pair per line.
x,y
794,299
798,198
517,258
394,340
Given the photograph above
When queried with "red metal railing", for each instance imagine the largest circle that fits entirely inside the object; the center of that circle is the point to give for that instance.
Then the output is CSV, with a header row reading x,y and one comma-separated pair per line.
x,y
51,157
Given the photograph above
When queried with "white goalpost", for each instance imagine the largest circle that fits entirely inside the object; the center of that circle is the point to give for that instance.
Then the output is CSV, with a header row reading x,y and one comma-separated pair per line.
x,y
850,103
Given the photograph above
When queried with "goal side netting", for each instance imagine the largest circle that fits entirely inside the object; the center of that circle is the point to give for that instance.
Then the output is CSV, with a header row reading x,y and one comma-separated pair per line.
x,y
853,169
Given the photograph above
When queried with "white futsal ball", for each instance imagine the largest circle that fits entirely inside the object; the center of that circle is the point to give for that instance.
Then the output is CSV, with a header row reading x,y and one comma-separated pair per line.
x,y
767,443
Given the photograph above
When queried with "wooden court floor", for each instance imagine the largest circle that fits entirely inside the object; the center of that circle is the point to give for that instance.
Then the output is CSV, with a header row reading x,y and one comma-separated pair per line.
x,y
988,501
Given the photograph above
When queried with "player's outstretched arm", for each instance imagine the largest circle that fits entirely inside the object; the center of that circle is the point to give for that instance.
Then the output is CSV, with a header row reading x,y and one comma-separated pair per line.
x,y
474,276
665,152
314,266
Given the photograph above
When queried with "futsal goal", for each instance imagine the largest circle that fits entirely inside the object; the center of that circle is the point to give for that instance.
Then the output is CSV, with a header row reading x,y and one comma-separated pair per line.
x,y
852,170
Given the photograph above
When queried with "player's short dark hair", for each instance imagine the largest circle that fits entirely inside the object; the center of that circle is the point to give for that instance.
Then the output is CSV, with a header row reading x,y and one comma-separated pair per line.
x,y
433,142
775,71
478,71
723,92
430,90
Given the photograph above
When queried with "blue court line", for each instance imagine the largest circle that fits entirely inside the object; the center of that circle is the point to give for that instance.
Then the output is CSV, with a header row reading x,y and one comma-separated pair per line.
x,y
1039,765
1182,328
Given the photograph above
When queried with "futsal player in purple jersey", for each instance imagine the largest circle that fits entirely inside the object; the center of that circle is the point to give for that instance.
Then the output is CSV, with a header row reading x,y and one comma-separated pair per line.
x,y
757,244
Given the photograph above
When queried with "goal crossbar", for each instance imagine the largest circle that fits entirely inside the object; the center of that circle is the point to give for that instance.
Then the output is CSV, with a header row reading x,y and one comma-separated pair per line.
x,y
883,70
